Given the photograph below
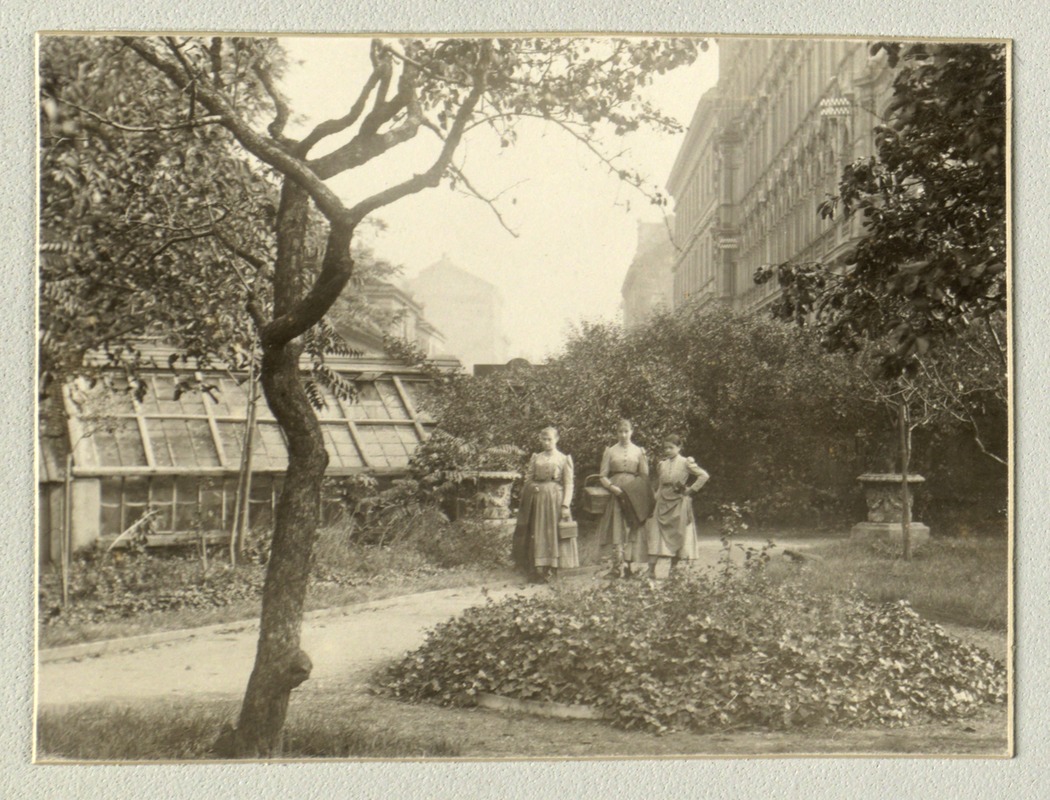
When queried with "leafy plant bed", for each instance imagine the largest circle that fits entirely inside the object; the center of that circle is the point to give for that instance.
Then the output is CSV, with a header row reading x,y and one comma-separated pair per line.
x,y
136,592
706,652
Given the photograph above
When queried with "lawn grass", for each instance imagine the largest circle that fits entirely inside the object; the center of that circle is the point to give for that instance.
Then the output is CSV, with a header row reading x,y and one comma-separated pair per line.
x,y
960,581
187,730
344,722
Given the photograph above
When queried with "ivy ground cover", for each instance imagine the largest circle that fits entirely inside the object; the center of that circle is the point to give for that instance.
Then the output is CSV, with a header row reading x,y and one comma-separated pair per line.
x,y
705,652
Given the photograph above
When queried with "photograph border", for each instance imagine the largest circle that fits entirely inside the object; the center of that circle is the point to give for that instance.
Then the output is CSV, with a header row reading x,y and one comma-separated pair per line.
x,y
16,336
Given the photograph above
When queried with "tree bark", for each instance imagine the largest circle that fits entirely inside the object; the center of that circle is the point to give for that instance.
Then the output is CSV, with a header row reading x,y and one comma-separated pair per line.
x,y
905,452
280,664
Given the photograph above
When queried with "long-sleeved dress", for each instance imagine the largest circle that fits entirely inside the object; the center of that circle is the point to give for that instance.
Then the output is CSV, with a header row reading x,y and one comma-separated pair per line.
x,y
548,484
620,466
671,531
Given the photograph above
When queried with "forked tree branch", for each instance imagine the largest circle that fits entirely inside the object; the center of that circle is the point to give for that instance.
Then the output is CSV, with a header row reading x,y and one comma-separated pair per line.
x,y
333,126
462,178
369,143
432,177
261,147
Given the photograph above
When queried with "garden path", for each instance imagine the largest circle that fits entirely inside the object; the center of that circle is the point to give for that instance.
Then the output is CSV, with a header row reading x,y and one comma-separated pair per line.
x,y
345,644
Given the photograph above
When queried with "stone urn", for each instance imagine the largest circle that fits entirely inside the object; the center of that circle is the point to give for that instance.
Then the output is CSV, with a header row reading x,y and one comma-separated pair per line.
x,y
492,496
882,493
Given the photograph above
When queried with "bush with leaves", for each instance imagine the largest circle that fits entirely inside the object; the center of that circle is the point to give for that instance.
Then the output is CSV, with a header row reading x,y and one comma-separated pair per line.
x,y
705,653
763,409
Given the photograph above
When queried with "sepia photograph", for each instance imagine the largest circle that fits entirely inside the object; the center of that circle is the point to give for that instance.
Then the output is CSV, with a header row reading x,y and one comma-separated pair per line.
x,y
522,397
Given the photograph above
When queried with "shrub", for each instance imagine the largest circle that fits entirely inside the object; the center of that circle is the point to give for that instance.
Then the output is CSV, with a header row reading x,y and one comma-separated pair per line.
x,y
467,541
115,585
705,653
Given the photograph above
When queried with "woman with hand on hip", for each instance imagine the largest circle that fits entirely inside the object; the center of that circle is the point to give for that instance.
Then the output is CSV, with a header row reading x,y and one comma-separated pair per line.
x,y
625,473
671,531
545,501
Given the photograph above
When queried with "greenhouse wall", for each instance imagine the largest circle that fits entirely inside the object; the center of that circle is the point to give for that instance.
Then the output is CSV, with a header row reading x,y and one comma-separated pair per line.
x,y
174,456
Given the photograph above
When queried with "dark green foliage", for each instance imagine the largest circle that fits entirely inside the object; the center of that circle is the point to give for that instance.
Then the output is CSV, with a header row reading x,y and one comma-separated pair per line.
x,y
705,653
933,202
465,541
763,409
413,539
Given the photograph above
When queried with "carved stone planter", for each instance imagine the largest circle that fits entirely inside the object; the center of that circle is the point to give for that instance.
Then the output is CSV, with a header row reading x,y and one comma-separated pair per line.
x,y
882,492
489,491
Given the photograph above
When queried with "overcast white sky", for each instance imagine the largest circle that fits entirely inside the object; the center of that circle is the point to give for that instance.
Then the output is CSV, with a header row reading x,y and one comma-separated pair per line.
x,y
577,223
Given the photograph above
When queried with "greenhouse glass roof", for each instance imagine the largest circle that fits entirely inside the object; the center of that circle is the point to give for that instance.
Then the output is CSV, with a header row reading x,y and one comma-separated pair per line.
x,y
113,433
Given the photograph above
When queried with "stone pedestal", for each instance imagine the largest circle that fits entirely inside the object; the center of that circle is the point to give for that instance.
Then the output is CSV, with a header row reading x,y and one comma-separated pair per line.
x,y
488,493
882,492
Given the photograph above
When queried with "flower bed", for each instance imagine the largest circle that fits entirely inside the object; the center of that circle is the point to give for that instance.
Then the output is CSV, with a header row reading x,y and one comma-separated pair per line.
x,y
705,652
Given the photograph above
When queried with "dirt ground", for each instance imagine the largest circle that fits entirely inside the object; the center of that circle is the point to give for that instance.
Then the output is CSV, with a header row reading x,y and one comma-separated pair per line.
x,y
347,645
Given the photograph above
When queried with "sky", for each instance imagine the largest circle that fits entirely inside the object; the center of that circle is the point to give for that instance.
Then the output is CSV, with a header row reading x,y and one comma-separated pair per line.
x,y
576,223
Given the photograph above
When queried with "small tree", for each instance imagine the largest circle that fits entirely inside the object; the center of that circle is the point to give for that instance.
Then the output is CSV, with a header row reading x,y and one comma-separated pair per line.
x,y
932,259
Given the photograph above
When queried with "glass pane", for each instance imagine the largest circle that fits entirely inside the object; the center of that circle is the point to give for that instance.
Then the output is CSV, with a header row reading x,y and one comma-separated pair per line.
x,y
232,435
182,443
186,504
109,520
162,398
269,450
408,435
229,486
391,399
136,496
119,445
417,395
162,494
331,409
340,446
368,404
260,507
372,446
231,396
211,504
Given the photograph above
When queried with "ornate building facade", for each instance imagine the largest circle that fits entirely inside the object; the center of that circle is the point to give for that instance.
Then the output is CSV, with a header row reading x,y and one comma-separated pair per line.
x,y
765,147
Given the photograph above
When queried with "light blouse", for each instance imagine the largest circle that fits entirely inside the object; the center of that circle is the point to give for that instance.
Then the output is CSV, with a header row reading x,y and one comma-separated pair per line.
x,y
617,458
553,467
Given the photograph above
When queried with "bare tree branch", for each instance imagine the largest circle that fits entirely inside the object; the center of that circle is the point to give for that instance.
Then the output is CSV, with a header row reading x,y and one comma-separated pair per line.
x,y
369,143
281,110
261,147
462,178
432,177
215,54
209,120
334,126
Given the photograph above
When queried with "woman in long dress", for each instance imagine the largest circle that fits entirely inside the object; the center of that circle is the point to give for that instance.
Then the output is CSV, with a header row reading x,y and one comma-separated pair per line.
x,y
623,464
671,531
545,501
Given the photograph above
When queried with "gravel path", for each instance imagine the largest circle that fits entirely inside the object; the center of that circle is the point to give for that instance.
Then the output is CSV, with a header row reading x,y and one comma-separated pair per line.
x,y
343,643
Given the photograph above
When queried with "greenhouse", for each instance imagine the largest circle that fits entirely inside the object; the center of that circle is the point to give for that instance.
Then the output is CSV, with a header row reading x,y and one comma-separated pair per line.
x,y
177,454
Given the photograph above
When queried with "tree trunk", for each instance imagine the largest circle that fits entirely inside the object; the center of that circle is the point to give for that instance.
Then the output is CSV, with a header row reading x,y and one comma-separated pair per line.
x,y
280,665
905,451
